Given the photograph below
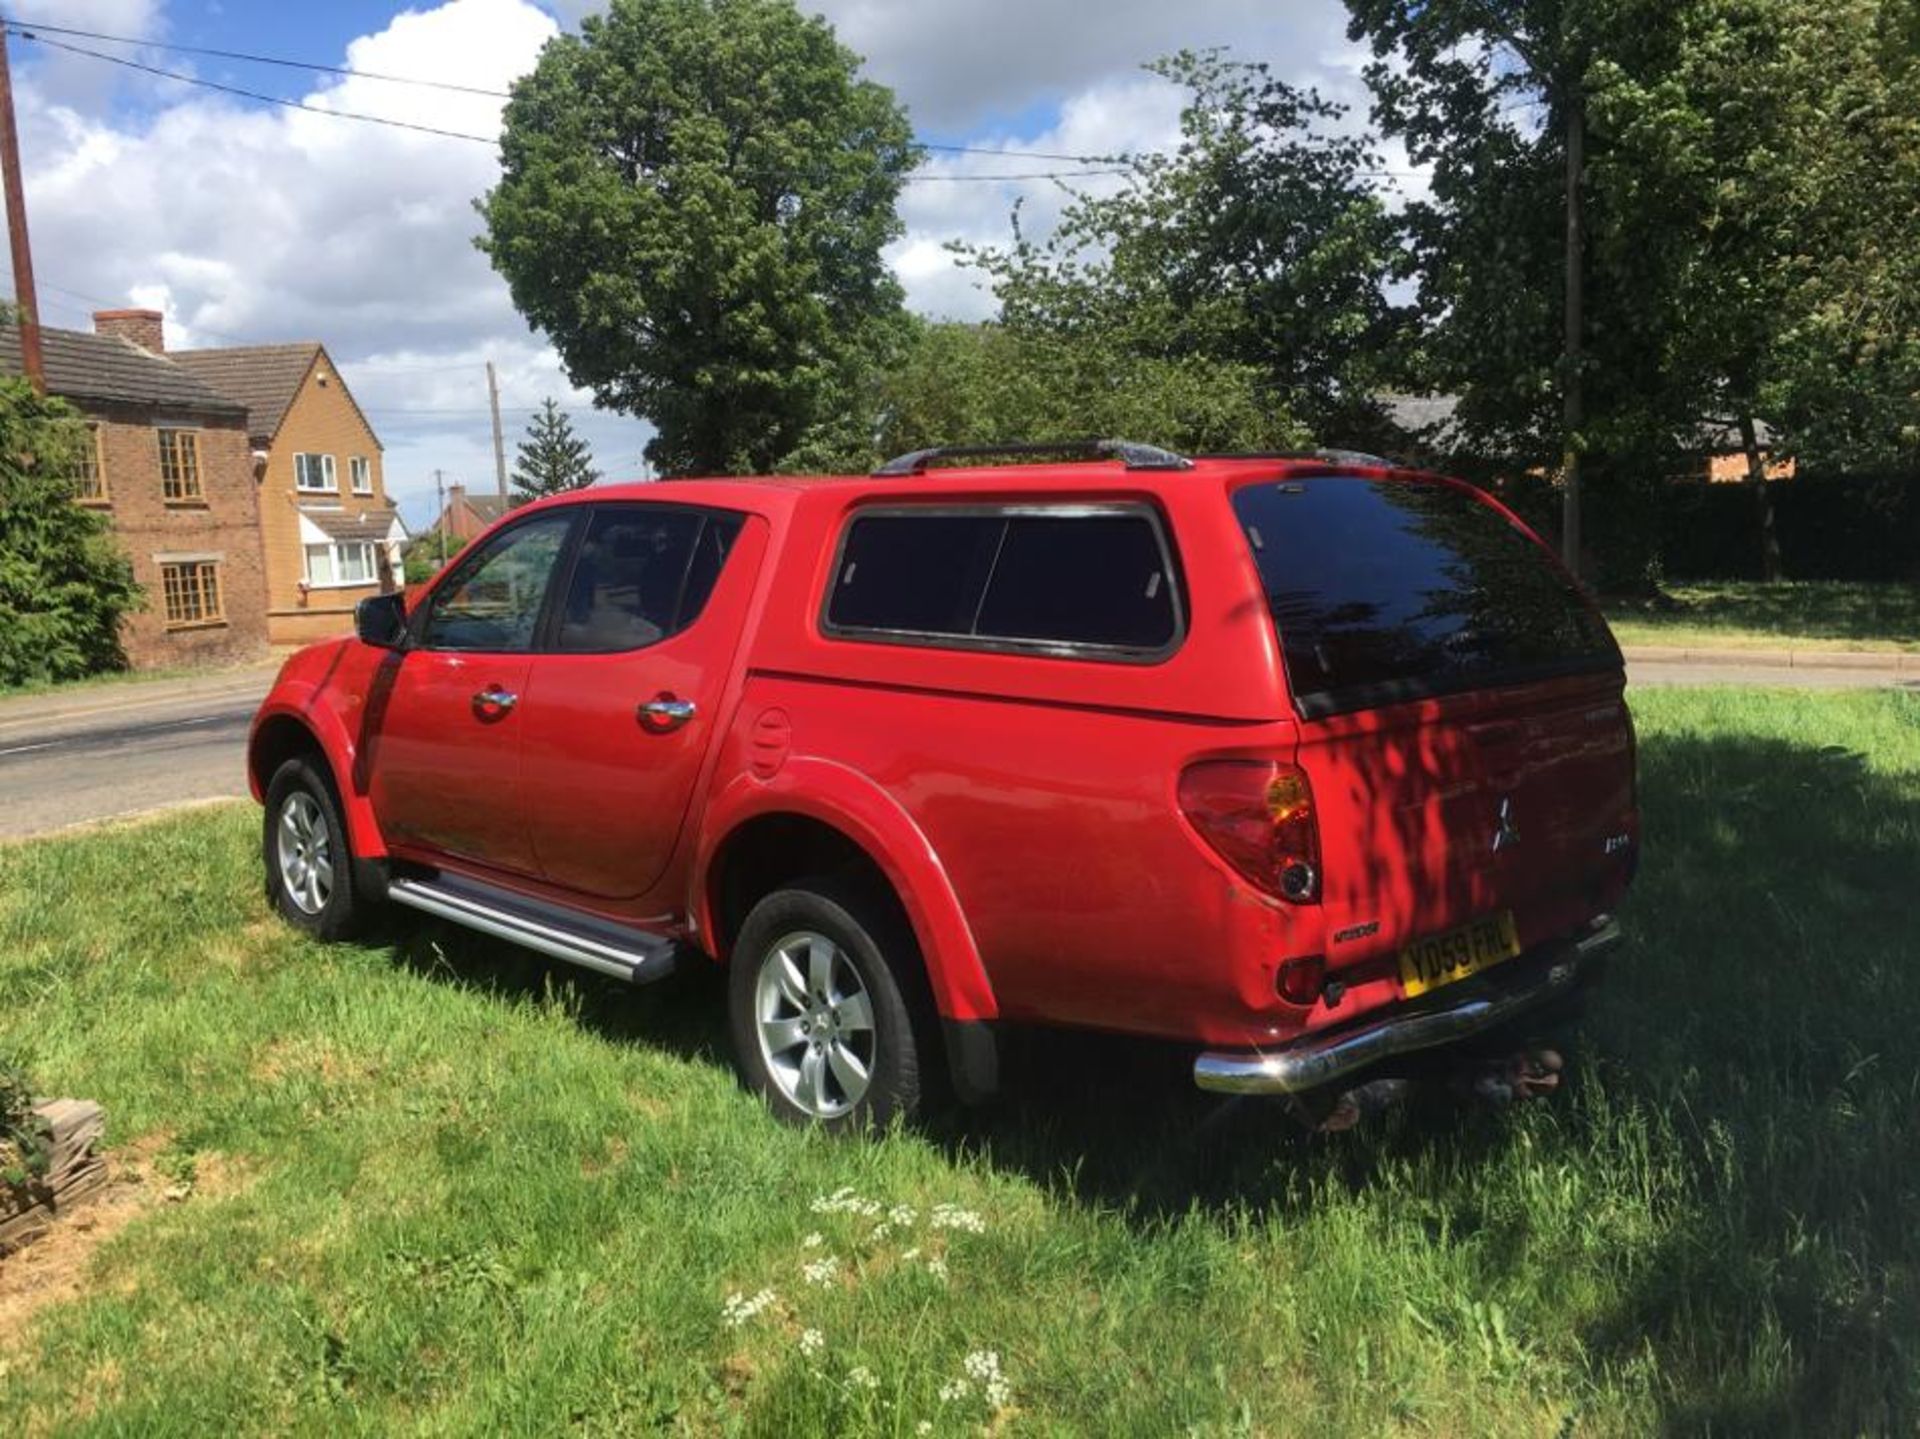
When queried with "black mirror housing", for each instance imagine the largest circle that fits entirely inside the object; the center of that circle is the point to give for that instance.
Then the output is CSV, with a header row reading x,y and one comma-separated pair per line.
x,y
381,621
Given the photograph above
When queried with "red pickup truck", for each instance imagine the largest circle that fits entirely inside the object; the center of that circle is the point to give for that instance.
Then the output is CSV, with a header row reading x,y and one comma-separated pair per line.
x,y
1304,761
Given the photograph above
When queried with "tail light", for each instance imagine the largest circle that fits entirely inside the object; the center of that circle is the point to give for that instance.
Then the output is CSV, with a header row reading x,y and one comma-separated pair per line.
x,y
1258,814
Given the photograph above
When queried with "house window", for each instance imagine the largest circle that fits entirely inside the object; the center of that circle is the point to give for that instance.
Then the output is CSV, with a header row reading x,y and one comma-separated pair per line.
x,y
180,466
314,472
89,473
361,471
190,593
349,562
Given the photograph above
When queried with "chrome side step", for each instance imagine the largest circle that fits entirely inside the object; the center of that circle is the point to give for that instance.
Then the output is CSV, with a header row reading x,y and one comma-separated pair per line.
x,y
593,944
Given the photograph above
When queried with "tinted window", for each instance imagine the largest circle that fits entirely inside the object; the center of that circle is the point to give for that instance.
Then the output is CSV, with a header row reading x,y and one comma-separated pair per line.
x,y
492,601
916,574
642,573
1099,580
1390,589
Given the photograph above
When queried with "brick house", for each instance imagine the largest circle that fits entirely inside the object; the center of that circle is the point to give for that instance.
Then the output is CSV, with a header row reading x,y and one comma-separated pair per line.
x,y
463,516
170,467
331,536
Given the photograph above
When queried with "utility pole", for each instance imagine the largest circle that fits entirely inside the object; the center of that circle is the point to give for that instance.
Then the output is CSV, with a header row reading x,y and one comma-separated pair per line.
x,y
1573,411
499,445
440,495
17,230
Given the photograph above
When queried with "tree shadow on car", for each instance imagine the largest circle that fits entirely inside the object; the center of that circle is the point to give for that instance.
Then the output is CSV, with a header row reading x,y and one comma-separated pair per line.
x,y
1728,1174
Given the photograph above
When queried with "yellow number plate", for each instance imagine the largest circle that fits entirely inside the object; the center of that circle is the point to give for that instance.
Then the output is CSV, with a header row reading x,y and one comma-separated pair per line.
x,y
1443,958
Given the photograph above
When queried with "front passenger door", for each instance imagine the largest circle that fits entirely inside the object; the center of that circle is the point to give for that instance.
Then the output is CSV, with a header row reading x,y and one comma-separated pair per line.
x,y
445,766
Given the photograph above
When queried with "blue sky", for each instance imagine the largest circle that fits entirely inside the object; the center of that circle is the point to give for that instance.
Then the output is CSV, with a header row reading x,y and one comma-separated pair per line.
x,y
251,223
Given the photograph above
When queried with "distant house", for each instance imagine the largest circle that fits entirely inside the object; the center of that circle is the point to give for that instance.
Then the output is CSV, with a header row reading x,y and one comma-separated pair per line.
x,y
168,464
1426,430
464,516
331,537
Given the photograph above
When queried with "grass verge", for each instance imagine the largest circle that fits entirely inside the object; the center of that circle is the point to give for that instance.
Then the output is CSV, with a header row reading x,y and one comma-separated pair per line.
x,y
1800,615
428,1183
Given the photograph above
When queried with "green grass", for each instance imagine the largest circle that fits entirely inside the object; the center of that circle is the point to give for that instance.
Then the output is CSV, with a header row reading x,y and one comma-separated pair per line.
x,y
1805,615
437,1187
112,678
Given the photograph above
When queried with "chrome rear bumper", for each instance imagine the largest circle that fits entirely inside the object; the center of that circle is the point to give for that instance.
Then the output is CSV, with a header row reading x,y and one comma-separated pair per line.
x,y
1319,1059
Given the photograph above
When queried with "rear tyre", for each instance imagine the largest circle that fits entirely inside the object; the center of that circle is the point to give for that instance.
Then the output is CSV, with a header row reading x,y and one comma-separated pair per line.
x,y
828,1019
308,862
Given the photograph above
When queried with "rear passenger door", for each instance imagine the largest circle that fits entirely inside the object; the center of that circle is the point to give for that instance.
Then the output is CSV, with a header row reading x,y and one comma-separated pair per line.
x,y
624,699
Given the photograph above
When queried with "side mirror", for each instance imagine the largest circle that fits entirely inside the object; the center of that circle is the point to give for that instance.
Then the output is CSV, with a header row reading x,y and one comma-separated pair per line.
x,y
381,621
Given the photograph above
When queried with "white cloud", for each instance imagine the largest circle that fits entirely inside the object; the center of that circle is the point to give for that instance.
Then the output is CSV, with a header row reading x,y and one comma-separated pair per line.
x,y
242,223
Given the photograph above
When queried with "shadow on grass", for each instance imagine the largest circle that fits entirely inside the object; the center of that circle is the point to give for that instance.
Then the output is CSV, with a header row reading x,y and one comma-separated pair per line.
x,y
1793,611
1749,1146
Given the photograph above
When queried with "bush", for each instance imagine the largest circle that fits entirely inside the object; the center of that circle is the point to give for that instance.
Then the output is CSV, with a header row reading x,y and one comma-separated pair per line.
x,y
1831,526
64,583
24,1150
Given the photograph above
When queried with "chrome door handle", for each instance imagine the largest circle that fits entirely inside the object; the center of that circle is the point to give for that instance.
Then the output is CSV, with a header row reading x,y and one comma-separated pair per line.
x,y
494,700
666,714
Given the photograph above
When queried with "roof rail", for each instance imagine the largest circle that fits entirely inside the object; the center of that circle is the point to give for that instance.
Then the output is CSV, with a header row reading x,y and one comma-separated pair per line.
x,y
1135,456
1330,456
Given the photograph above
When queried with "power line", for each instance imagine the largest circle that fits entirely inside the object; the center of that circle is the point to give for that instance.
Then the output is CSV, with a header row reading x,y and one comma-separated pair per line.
x,y
283,101
244,94
20,26
25,27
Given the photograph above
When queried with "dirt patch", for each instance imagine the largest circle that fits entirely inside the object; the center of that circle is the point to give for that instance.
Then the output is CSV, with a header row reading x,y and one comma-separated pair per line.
x,y
53,1268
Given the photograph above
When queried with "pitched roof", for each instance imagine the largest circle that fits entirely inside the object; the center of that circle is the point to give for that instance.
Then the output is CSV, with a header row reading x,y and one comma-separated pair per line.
x,y
107,368
264,378
488,507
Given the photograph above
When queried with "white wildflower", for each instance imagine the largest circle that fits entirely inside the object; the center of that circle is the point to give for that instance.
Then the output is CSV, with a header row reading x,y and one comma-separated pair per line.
x,y
812,1341
861,1377
881,1231
937,1267
901,1216
951,1216
954,1389
911,1255
982,1364
925,1426
739,1309
846,1201
813,1240
822,1271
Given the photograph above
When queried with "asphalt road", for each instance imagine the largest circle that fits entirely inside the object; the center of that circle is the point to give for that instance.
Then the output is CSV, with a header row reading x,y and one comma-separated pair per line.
x,y
116,750
105,752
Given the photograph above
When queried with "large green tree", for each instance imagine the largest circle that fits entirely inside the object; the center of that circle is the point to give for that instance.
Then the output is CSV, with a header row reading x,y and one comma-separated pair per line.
x,y
1261,241
1733,181
693,200
552,458
64,584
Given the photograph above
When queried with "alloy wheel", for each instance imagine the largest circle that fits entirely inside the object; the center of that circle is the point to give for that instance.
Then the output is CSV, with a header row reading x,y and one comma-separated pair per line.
x,y
306,852
814,1019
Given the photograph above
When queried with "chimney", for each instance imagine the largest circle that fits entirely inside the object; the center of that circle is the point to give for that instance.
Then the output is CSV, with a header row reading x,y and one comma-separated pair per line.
x,y
143,327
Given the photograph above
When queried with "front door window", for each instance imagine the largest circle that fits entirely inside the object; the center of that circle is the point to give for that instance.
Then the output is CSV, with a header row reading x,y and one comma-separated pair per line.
x,y
492,604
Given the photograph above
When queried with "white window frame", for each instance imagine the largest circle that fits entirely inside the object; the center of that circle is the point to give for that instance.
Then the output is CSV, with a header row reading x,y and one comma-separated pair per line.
x,y
336,551
329,476
360,472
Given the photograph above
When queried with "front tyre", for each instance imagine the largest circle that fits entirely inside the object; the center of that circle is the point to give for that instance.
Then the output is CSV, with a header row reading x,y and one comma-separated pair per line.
x,y
823,1026
304,846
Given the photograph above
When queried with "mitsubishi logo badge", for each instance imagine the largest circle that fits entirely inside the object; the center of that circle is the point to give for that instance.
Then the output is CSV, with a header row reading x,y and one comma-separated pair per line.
x,y
1508,833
